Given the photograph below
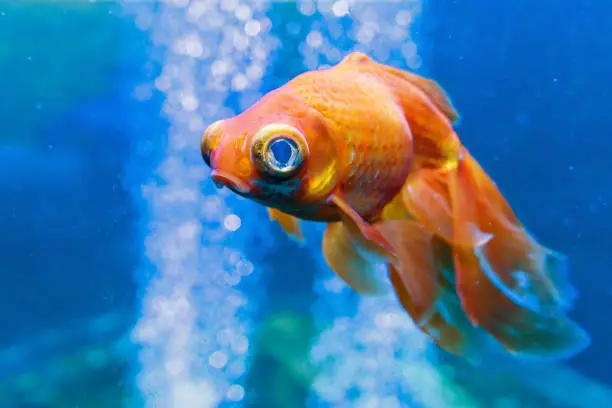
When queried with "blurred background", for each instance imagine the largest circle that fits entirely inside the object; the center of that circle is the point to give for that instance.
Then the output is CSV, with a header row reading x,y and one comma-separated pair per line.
x,y
127,279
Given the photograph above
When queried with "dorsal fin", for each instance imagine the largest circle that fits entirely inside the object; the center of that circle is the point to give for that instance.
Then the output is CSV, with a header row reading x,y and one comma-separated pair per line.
x,y
356,56
429,87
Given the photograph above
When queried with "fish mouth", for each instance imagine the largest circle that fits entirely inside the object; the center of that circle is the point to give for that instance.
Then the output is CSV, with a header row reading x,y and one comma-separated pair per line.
x,y
222,179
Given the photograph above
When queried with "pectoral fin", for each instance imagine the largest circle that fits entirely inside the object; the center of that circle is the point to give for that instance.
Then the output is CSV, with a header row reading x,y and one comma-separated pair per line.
x,y
427,198
345,255
417,275
354,250
289,224
377,242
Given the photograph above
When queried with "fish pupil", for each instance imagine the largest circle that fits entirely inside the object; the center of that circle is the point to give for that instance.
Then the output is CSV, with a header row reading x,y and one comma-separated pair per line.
x,y
283,154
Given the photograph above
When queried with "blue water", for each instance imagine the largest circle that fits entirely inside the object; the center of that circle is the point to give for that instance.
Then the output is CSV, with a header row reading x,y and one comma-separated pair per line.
x,y
110,227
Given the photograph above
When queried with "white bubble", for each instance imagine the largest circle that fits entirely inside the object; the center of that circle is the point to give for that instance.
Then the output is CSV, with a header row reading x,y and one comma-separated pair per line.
x,y
162,83
232,280
240,345
228,5
235,393
241,42
225,336
240,82
219,68
195,11
194,395
415,62
366,33
193,47
266,24
218,359
314,39
174,367
340,8
233,257
409,50
245,268
307,7
189,102
334,285
252,28
232,222
189,230
243,13
403,18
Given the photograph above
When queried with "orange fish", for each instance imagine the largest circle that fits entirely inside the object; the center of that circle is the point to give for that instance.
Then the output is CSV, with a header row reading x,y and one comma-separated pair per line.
x,y
371,150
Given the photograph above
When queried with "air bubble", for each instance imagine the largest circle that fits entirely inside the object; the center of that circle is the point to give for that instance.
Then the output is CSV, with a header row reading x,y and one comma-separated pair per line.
x,y
232,222
252,28
314,39
218,359
235,393
340,8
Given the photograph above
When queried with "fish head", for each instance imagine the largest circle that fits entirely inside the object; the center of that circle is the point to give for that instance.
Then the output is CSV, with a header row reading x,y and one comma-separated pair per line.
x,y
278,153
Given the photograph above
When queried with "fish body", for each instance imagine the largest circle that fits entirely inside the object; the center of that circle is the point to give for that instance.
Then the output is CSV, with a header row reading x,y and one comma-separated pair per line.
x,y
371,150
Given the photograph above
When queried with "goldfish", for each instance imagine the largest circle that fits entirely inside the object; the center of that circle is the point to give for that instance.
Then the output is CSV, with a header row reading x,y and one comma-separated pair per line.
x,y
371,150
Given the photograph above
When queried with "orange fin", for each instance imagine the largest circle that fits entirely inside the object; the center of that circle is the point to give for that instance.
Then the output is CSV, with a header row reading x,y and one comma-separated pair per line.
x,y
289,224
514,288
345,255
379,245
429,87
441,316
417,269
427,198
445,324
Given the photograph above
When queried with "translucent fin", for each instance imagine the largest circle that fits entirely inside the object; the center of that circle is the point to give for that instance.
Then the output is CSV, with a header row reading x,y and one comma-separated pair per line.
x,y
512,287
518,284
427,198
417,269
378,245
344,255
519,261
430,88
513,318
557,266
289,224
445,323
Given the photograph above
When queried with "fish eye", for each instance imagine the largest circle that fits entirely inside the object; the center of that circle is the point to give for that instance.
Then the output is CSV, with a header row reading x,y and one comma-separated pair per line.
x,y
283,155
279,152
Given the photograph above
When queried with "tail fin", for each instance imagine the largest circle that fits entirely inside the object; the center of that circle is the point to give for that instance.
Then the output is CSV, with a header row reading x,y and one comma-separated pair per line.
x,y
514,288
424,286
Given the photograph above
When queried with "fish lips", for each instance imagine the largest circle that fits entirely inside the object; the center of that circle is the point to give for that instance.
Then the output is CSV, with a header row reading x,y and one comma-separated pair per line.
x,y
224,179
